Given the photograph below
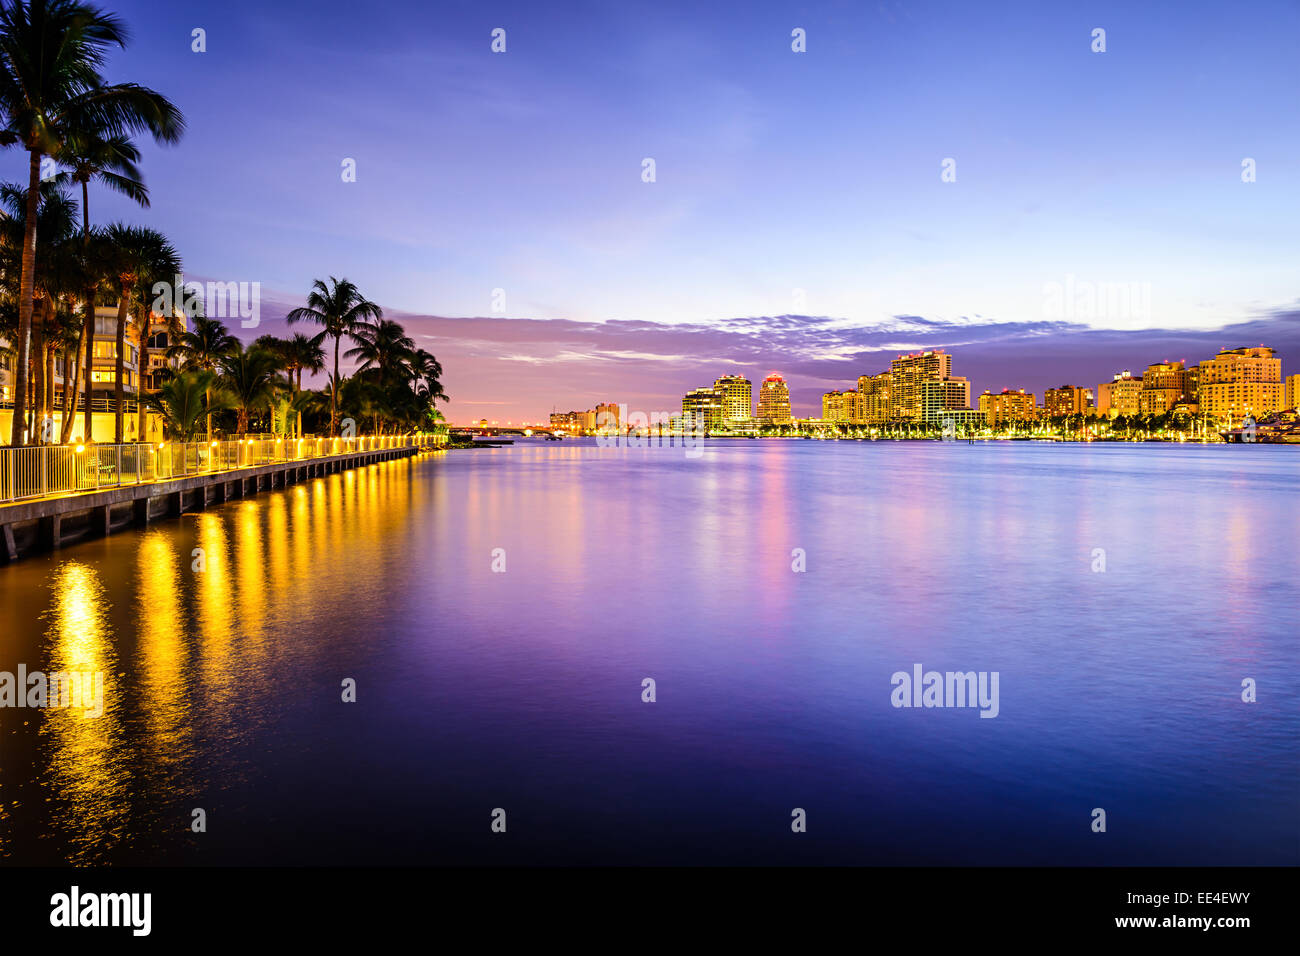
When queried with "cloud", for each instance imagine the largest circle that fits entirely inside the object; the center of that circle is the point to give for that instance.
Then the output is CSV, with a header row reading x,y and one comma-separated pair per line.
x,y
529,366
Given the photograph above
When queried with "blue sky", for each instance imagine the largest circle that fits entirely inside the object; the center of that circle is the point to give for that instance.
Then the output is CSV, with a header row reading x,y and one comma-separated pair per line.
x,y
775,171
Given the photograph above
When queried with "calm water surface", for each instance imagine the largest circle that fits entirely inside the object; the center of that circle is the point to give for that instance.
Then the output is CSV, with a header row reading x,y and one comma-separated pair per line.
x,y
522,690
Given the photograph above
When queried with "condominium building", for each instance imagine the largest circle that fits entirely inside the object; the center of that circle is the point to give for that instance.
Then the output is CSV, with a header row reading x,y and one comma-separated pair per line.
x,y
907,373
568,422
1291,392
6,375
1120,396
1006,406
943,395
1164,386
832,406
607,418
702,408
1067,400
103,369
1240,382
737,398
873,398
774,401
851,408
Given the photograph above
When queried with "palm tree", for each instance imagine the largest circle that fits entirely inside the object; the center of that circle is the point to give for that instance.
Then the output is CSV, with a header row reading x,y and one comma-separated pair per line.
x,y
112,160
184,399
296,353
429,370
340,310
384,346
131,247
51,90
202,348
248,377
56,214
159,262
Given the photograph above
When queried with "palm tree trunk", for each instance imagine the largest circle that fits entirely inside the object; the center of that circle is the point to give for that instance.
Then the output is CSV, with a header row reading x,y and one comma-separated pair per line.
x,y
49,386
119,366
25,286
38,368
143,353
88,327
334,391
88,331
72,372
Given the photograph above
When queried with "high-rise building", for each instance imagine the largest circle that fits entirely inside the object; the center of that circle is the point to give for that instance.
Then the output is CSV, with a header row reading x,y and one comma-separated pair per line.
x,y
851,408
103,370
737,398
1291,392
702,408
943,395
774,401
833,406
568,422
1164,385
873,398
1067,400
1240,382
907,372
1120,396
607,418
1007,406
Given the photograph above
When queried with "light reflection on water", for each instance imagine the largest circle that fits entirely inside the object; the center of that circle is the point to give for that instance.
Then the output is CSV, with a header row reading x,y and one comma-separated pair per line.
x,y
522,689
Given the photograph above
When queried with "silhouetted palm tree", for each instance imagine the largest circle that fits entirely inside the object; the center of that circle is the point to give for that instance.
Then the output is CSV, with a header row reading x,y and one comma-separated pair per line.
x,y
248,378
51,90
340,310
91,156
202,348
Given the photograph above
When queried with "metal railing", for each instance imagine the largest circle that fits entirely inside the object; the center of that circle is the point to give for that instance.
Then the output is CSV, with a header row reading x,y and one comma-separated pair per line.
x,y
42,470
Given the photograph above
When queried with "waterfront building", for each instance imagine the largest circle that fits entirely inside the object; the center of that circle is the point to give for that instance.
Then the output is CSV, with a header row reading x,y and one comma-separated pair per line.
x,y
568,422
607,418
851,408
737,398
774,401
1240,382
6,372
1006,406
873,398
1120,396
962,421
942,395
1164,385
907,373
1067,400
703,408
832,406
1291,392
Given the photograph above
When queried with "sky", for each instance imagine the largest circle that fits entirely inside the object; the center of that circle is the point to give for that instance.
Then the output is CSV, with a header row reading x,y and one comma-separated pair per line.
x,y
798,219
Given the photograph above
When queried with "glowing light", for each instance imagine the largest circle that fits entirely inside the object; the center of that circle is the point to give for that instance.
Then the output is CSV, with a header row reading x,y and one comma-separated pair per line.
x,y
80,449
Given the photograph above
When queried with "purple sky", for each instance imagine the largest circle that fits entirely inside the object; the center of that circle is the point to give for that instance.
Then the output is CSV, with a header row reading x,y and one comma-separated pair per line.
x,y
802,188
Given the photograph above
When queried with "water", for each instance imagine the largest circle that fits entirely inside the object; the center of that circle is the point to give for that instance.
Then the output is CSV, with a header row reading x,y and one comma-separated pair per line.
x,y
522,690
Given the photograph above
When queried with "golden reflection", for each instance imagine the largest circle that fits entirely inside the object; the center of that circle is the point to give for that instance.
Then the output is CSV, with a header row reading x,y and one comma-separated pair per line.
x,y
277,537
89,773
163,667
250,566
214,595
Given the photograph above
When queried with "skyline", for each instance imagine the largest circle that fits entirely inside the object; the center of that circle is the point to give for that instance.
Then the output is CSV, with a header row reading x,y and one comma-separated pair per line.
x,y
815,173
652,366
